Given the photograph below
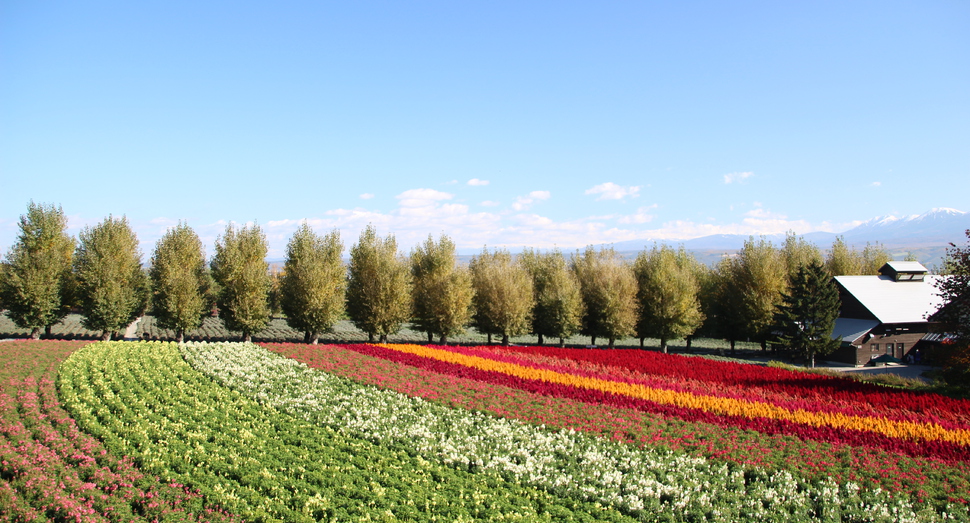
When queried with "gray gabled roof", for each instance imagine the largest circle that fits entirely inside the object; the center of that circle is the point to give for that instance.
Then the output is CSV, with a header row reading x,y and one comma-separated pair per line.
x,y
905,266
850,329
893,301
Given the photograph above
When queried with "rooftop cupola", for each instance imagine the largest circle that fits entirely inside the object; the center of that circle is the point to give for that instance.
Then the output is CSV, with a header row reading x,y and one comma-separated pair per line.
x,y
904,270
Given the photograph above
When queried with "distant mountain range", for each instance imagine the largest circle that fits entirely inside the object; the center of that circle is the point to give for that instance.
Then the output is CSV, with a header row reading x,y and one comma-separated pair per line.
x,y
934,229
925,236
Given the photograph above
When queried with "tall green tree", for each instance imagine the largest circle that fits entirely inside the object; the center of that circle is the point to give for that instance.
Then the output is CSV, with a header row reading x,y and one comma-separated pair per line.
x,y
667,294
761,278
874,256
722,303
443,290
239,268
313,283
180,281
379,289
112,288
35,276
797,252
806,317
843,260
609,290
503,294
558,303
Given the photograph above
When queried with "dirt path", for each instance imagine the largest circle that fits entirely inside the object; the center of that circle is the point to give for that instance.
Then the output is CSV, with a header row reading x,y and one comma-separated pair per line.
x,y
131,333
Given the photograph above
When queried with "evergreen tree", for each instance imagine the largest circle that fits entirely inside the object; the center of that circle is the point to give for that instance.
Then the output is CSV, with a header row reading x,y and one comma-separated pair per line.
x,y
558,303
112,288
667,291
806,317
503,294
313,283
609,291
180,281
843,260
443,290
35,276
240,269
379,290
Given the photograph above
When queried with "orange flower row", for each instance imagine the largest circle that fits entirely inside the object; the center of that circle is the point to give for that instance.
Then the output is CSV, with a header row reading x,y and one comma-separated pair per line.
x,y
909,430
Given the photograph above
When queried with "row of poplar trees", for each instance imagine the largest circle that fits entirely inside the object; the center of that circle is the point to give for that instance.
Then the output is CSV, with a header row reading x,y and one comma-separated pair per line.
x,y
763,293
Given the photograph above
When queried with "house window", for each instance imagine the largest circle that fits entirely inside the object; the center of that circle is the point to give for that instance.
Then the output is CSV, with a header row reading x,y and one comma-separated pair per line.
x,y
874,347
889,348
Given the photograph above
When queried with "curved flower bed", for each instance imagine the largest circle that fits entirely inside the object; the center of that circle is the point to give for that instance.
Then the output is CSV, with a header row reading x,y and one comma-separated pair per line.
x,y
646,483
50,470
947,442
930,479
267,465
727,375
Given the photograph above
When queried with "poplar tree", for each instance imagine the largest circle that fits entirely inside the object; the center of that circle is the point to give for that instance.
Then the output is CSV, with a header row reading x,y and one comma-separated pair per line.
x,y
806,316
609,291
180,281
443,290
503,294
667,291
874,256
35,276
722,303
239,268
797,252
313,283
761,277
379,289
843,260
558,302
112,288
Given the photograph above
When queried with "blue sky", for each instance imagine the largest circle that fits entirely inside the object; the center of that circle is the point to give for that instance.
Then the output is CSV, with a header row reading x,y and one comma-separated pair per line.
x,y
498,123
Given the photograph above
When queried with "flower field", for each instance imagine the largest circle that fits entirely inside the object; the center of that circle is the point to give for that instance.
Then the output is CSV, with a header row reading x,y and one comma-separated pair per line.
x,y
142,431
51,471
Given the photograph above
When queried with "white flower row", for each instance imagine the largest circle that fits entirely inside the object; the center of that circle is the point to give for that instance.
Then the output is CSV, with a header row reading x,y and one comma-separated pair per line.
x,y
634,479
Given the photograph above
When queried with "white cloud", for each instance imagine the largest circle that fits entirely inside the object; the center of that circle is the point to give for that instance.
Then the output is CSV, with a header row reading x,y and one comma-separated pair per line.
x,y
425,211
422,197
641,216
763,214
522,203
489,203
737,177
612,191
875,184
366,196
476,181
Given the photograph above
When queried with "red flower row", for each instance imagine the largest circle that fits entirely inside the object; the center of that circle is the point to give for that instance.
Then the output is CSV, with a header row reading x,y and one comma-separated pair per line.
x,y
812,387
938,449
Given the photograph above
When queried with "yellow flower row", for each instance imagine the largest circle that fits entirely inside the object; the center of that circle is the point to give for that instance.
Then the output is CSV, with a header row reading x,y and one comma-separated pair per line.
x,y
723,406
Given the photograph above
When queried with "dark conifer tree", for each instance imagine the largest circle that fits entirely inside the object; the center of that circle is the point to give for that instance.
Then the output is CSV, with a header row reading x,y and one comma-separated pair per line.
x,y
806,317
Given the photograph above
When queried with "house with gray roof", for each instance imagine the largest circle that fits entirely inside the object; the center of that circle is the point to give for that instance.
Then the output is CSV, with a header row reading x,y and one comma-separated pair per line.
x,y
885,314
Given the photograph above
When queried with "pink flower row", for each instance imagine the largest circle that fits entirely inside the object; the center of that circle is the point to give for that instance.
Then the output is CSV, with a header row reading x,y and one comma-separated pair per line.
x,y
52,470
